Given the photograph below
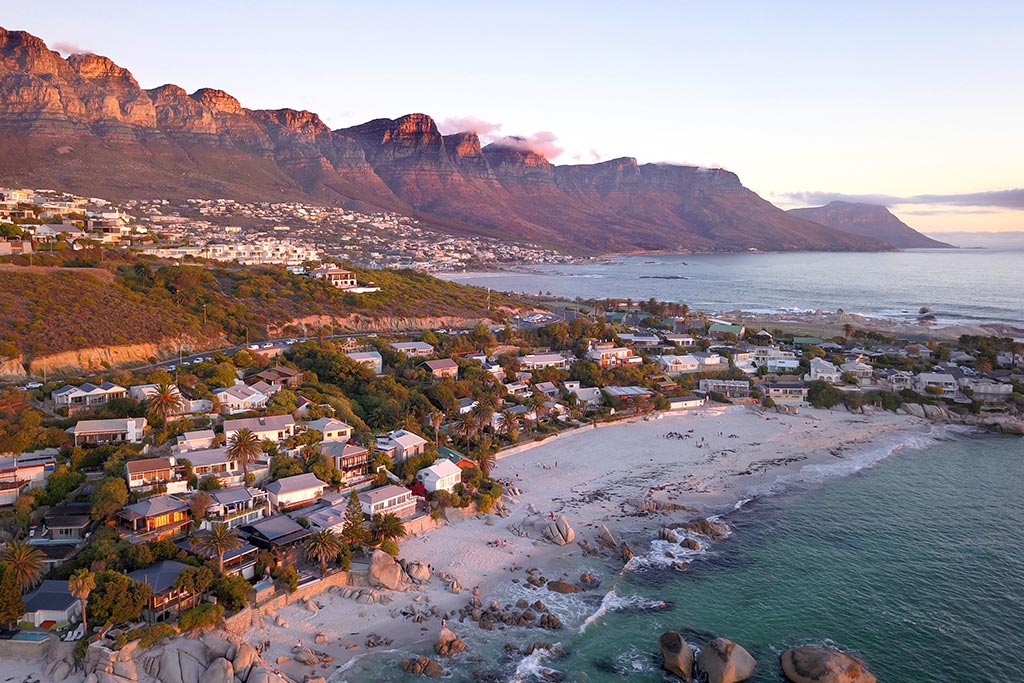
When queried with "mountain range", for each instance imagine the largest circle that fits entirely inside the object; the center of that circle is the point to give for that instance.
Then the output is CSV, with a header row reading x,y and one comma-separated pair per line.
x,y
83,124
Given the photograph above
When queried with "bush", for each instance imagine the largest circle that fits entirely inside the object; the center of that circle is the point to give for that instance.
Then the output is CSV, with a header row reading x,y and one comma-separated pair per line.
x,y
289,577
148,636
390,547
201,616
345,557
232,591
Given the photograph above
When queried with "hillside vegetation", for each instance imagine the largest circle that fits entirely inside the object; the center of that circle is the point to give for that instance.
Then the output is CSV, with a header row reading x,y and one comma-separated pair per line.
x,y
45,311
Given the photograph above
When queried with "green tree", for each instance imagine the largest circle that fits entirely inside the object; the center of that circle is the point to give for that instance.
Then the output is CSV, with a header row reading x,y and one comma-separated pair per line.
x,y
388,527
25,563
323,546
821,394
11,605
81,585
109,496
232,591
353,530
244,447
194,580
116,598
218,541
164,404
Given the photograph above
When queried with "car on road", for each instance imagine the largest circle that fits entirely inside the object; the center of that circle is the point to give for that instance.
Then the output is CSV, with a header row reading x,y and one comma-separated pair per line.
x,y
254,347
292,341
172,367
268,345
33,385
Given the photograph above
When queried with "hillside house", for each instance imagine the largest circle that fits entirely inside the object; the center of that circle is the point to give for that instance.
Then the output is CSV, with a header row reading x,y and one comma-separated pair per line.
x,y
443,475
269,428
292,492
195,441
51,603
444,367
414,349
401,445
87,396
397,500
142,475
330,429
155,519
240,398
116,430
166,600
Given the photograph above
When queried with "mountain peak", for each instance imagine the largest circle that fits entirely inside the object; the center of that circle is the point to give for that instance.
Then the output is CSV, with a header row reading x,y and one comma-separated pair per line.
x,y
869,220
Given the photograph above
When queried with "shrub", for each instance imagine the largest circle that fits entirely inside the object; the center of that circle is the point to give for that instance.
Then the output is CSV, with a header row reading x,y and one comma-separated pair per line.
x,y
390,547
148,636
289,577
201,616
232,591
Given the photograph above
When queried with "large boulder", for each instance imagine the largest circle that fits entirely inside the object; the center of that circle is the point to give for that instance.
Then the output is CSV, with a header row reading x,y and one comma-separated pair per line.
x,y
676,655
218,646
816,664
725,662
306,656
59,671
563,587
705,527
448,643
386,573
423,666
418,572
559,532
220,671
245,657
606,538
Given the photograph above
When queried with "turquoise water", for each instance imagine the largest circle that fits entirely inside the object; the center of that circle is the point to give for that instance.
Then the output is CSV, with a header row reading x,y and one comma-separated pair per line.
x,y
30,636
961,285
916,564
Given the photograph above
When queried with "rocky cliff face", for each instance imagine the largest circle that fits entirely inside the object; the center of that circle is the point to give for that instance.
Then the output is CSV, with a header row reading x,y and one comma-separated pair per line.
x,y
869,220
84,124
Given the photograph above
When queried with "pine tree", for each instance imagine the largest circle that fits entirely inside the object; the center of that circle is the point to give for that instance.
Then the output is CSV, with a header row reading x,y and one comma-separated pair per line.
x,y
11,605
353,531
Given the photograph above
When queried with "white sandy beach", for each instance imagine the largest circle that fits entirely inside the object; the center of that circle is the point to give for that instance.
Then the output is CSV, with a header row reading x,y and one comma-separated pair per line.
x,y
590,476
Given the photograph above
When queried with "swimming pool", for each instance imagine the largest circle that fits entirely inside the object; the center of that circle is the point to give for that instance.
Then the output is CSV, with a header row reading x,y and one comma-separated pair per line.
x,y
33,636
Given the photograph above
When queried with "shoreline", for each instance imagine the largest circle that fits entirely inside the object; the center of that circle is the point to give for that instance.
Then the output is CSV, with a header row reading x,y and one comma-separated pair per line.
x,y
742,453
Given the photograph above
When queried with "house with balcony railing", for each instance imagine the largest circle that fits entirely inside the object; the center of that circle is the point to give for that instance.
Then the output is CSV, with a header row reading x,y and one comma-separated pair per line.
x,y
236,507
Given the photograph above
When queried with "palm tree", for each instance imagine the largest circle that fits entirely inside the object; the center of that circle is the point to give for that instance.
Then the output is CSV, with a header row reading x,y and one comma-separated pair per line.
x,y
848,330
388,527
244,447
26,562
219,540
322,546
486,460
436,420
80,585
507,425
536,402
165,403
468,429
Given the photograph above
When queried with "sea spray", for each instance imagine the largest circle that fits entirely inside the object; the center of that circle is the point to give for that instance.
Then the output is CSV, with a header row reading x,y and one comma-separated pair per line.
x,y
612,602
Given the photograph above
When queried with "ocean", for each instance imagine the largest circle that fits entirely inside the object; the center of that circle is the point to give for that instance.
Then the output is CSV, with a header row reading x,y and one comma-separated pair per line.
x,y
913,562
962,286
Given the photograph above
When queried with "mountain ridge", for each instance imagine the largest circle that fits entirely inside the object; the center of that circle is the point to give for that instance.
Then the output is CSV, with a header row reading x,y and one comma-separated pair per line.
x,y
869,220
84,124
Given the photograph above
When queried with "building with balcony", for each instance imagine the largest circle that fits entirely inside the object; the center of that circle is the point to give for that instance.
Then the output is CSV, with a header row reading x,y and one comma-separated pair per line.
x,y
154,519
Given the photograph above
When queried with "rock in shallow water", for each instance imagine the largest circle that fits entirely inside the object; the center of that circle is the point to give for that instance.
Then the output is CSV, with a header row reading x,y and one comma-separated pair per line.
x,y
814,664
725,662
677,657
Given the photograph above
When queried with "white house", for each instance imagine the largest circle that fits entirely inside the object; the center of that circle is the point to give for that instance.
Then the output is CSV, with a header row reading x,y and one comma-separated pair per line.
x,y
858,369
51,601
331,429
215,462
332,517
270,428
86,396
414,348
675,365
943,381
194,441
607,355
731,388
240,398
401,444
291,492
591,396
397,500
117,430
371,359
821,369
537,361
443,475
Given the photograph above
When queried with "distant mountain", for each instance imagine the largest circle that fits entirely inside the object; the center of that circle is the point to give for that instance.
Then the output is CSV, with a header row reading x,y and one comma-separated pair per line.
x,y
869,220
84,124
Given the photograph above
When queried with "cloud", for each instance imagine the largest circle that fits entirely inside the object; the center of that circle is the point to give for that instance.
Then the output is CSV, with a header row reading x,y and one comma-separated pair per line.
x,y
544,143
68,48
1003,199
472,124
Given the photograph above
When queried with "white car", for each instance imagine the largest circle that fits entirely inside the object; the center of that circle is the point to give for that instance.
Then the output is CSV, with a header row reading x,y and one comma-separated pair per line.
x,y
293,341
268,345
34,385
254,347
172,368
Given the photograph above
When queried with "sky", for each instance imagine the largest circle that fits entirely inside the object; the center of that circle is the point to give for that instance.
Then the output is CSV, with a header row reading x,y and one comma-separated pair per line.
x,y
917,105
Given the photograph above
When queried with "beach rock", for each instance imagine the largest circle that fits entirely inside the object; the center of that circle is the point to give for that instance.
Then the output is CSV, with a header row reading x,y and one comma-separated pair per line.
x,y
261,675
386,573
220,671
815,664
725,662
588,581
423,666
606,538
550,621
704,527
691,543
125,669
677,657
279,621
311,607
666,534
563,587
245,657
320,638
419,573
448,643
59,671
559,532
306,656
627,552
914,409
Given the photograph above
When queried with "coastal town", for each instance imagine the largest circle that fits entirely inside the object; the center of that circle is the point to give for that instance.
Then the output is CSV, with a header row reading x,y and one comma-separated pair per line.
x,y
282,233
240,487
